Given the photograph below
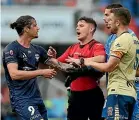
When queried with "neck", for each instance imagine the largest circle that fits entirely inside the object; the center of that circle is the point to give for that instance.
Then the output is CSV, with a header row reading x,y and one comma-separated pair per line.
x,y
24,41
87,40
121,30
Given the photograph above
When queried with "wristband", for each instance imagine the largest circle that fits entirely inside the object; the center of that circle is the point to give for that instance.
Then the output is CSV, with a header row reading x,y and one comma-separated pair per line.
x,y
81,61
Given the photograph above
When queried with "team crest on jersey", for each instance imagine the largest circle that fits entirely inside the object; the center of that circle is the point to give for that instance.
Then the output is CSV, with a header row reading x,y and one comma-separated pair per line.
x,y
118,45
24,57
29,52
76,53
110,110
37,56
11,52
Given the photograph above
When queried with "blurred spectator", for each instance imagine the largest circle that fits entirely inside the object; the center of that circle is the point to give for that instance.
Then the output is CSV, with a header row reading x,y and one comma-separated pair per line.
x,y
57,106
6,2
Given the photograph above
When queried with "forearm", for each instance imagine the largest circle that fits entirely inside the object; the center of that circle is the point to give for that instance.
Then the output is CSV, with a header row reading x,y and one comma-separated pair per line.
x,y
59,65
99,59
23,75
103,67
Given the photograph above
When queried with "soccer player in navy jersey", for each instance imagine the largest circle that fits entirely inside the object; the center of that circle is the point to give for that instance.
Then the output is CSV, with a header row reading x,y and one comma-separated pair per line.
x,y
21,59
86,99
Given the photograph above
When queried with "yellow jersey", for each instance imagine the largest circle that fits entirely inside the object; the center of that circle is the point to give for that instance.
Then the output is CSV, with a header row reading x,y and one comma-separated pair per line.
x,y
121,80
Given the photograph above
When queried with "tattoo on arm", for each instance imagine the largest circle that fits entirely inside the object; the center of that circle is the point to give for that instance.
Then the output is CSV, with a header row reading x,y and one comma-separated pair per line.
x,y
56,64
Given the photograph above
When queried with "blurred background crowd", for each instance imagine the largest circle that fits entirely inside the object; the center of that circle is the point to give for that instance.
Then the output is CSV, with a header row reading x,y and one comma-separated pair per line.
x,y
57,21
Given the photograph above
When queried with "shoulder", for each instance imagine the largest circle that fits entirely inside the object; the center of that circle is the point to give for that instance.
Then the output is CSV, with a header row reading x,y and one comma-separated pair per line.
x,y
74,46
131,32
97,44
38,47
124,40
11,46
111,37
126,36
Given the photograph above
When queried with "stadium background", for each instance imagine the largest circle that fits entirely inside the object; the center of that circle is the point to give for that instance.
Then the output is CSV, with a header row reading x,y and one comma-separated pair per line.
x,y
57,21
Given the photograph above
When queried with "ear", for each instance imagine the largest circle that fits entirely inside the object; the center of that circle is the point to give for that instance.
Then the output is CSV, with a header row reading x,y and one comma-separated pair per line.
x,y
117,22
26,29
91,28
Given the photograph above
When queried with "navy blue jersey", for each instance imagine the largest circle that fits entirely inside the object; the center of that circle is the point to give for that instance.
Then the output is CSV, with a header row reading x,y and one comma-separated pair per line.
x,y
27,60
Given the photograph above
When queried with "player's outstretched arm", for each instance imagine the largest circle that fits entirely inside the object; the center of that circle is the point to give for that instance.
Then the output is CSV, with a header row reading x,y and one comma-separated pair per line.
x,y
23,75
59,65
99,59
104,67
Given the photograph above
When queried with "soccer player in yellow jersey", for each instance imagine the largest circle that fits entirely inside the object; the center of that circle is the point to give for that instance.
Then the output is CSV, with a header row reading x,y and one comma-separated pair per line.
x,y
120,67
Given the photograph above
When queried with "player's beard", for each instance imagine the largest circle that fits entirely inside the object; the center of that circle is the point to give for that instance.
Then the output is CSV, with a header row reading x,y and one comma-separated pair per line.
x,y
36,36
114,30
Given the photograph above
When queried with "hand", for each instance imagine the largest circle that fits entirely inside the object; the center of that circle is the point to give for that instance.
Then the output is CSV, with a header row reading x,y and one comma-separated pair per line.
x,y
73,61
51,52
48,73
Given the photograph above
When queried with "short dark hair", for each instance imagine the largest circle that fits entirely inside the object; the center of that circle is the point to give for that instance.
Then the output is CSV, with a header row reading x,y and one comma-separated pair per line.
x,y
123,14
89,20
114,5
22,22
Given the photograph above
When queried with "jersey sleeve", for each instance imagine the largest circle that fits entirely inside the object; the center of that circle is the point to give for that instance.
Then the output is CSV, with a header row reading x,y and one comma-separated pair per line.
x,y
43,55
64,55
10,54
99,49
120,46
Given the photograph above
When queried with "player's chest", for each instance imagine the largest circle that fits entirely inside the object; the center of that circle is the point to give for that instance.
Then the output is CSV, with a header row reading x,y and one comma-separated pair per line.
x,y
81,52
28,56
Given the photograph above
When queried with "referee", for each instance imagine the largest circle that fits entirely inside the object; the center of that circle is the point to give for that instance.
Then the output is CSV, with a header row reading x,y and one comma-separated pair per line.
x,y
86,99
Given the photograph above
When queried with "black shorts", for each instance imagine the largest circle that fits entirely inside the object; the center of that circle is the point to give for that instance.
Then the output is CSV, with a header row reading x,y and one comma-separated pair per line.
x,y
85,104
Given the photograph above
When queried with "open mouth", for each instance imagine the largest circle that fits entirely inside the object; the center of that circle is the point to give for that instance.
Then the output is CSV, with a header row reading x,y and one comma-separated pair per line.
x,y
78,33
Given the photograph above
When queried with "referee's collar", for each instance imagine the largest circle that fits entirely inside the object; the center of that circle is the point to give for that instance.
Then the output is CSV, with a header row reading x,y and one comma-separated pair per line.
x,y
81,46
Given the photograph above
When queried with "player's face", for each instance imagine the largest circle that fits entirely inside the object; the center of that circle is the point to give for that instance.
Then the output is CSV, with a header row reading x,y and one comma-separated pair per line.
x,y
83,29
113,23
33,30
106,17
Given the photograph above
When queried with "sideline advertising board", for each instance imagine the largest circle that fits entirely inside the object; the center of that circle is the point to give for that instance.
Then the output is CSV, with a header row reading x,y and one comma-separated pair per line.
x,y
56,24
